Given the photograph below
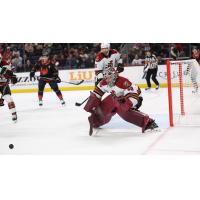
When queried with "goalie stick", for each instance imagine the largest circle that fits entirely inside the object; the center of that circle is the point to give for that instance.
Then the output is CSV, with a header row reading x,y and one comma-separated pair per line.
x,y
79,104
52,79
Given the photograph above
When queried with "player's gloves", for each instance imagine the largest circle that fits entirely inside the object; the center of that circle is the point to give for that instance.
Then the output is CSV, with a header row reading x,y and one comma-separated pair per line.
x,y
32,74
1,102
57,79
13,79
120,68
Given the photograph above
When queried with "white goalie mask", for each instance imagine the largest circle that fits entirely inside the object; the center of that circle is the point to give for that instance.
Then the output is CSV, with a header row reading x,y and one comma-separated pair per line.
x,y
110,75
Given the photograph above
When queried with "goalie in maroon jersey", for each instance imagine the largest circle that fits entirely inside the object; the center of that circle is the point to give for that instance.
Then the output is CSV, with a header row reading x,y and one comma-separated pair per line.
x,y
48,74
125,99
6,75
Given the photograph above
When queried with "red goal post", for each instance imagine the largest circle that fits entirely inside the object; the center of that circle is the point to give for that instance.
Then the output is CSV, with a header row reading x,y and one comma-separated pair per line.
x,y
186,69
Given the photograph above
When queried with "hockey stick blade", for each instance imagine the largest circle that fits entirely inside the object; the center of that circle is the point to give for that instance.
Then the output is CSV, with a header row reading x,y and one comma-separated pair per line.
x,y
78,83
79,104
53,79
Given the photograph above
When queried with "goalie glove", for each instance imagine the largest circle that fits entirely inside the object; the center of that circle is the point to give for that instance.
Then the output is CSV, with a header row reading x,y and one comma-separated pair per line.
x,y
139,104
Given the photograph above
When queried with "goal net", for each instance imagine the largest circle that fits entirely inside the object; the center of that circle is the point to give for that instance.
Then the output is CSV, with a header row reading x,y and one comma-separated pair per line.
x,y
184,92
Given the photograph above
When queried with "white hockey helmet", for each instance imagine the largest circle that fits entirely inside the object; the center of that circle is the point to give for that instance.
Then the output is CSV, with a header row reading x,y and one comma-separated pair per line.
x,y
105,45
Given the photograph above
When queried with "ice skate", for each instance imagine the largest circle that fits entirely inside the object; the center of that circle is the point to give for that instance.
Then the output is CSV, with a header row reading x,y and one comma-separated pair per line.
x,y
151,126
40,103
14,118
62,102
148,89
157,87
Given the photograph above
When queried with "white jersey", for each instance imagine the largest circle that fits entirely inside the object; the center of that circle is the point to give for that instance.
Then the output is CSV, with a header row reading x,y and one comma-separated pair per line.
x,y
4,67
103,62
122,88
151,62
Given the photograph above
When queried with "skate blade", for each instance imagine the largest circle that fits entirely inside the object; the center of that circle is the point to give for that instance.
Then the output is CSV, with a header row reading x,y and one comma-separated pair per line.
x,y
14,121
153,130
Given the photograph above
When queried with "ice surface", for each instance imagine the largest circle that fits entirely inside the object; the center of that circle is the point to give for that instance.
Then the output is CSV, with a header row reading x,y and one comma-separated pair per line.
x,y
54,129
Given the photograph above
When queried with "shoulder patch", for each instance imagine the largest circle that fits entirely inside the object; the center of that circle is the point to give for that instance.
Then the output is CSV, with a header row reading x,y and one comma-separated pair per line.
x,y
127,84
123,83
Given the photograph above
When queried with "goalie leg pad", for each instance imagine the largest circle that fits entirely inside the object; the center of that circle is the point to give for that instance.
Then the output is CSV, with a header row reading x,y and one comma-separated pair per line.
x,y
109,105
92,103
136,117
99,118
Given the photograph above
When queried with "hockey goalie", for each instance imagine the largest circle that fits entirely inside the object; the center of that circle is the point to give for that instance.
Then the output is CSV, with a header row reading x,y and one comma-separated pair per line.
x,y
124,99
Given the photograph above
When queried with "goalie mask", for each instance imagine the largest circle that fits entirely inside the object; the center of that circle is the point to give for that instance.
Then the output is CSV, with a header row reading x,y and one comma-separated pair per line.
x,y
110,75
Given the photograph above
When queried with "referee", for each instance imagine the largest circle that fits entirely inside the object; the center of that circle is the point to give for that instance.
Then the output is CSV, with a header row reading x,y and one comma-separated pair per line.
x,y
151,69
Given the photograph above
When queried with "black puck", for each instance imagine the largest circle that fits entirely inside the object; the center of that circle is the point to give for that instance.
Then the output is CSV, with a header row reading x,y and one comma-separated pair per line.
x,y
11,146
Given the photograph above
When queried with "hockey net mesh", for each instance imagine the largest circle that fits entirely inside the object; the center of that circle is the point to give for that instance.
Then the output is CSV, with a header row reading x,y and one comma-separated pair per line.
x,y
186,95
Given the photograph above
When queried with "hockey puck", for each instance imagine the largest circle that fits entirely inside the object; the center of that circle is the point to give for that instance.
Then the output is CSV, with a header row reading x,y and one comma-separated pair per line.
x,y
11,146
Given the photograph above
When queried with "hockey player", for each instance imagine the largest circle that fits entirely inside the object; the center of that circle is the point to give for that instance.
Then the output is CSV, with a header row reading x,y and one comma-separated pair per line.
x,y
7,75
125,99
48,74
192,69
151,69
107,58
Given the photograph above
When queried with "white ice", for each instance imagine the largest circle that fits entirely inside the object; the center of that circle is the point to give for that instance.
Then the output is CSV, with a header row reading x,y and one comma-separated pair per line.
x,y
54,129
